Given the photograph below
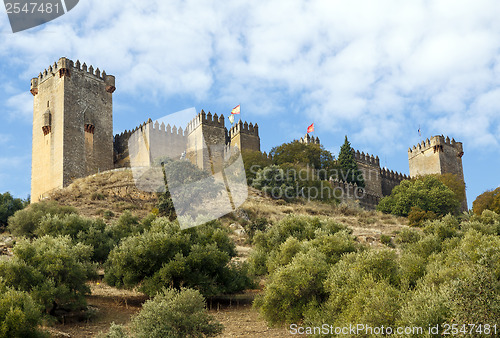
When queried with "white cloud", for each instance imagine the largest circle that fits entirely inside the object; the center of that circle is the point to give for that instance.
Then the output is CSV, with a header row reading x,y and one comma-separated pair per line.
x,y
4,138
377,68
20,107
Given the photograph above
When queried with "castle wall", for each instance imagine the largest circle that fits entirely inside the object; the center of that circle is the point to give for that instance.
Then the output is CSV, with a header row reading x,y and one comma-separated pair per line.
x,y
370,167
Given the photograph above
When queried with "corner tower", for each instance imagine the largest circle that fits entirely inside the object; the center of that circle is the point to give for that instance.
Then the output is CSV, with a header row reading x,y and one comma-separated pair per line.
x,y
72,125
245,136
439,155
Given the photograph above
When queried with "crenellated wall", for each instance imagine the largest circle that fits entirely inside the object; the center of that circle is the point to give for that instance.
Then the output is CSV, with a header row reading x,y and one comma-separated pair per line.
x,y
205,142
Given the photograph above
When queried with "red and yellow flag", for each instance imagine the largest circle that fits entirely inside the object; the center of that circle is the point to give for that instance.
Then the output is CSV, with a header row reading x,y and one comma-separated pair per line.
x,y
236,110
310,129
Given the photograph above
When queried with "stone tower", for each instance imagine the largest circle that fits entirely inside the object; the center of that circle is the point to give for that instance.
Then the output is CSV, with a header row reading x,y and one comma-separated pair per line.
x,y
439,155
206,140
72,125
245,136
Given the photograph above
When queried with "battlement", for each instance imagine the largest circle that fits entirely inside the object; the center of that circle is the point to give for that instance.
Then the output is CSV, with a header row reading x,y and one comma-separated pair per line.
x,y
155,127
244,128
205,119
366,158
307,139
436,143
393,175
65,67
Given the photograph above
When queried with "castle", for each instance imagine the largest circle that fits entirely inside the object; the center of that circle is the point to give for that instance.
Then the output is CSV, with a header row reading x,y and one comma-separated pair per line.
x,y
73,131
73,138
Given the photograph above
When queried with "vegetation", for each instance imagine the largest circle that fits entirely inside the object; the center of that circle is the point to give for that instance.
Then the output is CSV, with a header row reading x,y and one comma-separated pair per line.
x,y
349,171
425,194
297,170
253,161
176,314
171,313
489,200
447,273
8,206
297,253
50,219
24,222
53,269
312,155
165,256
19,314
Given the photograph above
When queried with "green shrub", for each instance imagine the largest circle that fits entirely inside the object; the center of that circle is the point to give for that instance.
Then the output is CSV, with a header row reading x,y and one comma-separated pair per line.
x,y
115,331
93,232
417,216
302,228
166,256
53,269
427,193
260,224
476,298
25,222
8,206
294,288
426,306
108,214
411,269
360,286
175,314
408,236
386,240
447,227
489,200
19,314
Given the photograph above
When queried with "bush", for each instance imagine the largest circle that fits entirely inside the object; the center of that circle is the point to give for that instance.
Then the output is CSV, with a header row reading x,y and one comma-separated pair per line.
x,y
275,182
166,256
426,193
19,314
386,240
489,200
175,314
417,216
253,161
25,222
302,228
362,286
294,288
115,331
8,206
426,307
53,270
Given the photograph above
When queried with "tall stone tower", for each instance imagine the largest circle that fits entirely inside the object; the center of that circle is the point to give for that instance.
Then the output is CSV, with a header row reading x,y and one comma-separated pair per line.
x,y
72,125
439,155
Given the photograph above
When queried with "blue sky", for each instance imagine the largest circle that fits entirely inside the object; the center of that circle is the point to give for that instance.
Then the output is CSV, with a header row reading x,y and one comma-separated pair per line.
x,y
374,70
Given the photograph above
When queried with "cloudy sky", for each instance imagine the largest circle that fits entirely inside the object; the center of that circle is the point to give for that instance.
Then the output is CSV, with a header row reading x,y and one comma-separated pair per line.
x,y
372,70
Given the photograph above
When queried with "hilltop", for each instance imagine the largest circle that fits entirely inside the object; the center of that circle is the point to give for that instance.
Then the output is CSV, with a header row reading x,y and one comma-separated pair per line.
x,y
111,193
